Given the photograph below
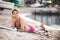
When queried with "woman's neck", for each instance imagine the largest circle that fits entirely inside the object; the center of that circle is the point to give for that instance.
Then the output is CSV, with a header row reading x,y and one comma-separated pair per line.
x,y
17,18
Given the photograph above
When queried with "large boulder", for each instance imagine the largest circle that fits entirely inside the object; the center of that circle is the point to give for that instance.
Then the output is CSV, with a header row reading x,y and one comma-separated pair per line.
x,y
8,34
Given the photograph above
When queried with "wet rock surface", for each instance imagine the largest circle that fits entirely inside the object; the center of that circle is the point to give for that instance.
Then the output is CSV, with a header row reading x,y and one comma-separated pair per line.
x,y
14,35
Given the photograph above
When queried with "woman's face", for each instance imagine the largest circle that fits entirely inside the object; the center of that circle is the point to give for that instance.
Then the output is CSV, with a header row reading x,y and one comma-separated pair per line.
x,y
15,14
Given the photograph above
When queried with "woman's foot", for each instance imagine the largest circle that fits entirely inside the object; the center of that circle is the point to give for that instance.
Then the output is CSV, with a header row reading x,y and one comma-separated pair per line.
x,y
42,26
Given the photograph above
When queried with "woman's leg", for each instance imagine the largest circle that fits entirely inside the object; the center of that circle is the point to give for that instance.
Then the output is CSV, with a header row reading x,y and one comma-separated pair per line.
x,y
40,28
27,28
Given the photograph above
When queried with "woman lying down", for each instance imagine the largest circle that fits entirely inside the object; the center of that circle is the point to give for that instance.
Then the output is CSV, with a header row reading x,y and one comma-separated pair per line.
x,y
18,23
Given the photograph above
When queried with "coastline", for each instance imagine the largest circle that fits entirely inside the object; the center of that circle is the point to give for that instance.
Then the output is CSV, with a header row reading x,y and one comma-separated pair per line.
x,y
14,35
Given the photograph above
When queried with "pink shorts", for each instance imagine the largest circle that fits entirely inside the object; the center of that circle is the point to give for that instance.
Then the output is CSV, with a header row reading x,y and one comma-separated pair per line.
x,y
31,28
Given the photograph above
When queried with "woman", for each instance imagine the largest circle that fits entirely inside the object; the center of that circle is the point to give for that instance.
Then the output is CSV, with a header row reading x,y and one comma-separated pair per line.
x,y
16,21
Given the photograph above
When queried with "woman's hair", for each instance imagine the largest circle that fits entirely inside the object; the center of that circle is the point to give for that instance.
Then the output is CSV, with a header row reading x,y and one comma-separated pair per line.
x,y
14,10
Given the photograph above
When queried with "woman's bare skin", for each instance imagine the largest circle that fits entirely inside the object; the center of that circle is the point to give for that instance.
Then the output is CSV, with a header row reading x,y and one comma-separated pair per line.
x,y
27,28
17,20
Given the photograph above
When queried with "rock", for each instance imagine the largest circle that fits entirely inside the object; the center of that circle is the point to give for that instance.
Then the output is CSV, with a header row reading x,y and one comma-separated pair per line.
x,y
14,35
56,35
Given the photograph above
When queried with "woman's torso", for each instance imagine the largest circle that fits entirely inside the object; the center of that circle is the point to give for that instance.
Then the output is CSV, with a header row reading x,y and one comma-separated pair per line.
x,y
17,23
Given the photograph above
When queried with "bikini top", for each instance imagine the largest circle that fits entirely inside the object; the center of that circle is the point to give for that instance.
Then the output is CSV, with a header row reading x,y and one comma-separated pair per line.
x,y
18,26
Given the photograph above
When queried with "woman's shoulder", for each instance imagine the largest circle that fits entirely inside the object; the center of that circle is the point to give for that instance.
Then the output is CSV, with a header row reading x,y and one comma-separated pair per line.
x,y
21,20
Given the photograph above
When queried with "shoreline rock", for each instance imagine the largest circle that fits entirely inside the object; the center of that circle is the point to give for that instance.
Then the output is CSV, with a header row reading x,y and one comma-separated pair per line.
x,y
14,35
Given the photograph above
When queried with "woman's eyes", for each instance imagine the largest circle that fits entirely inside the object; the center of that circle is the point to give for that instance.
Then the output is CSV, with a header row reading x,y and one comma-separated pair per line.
x,y
15,13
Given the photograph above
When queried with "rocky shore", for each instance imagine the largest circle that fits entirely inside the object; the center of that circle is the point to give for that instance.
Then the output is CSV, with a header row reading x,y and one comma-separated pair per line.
x,y
14,35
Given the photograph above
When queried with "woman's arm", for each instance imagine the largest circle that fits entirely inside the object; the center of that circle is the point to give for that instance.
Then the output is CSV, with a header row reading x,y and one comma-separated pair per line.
x,y
22,24
12,22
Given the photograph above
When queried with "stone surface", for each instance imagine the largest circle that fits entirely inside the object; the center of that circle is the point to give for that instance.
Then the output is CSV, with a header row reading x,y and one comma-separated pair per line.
x,y
14,35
